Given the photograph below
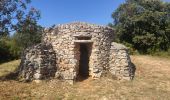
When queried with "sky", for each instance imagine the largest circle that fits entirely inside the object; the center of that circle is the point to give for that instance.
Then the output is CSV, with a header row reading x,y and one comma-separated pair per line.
x,y
66,11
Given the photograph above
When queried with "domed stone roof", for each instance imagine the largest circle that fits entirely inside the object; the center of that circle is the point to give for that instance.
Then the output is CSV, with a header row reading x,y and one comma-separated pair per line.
x,y
78,26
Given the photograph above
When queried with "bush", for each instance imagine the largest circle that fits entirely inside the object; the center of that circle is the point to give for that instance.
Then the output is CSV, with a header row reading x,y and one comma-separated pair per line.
x,y
144,24
9,49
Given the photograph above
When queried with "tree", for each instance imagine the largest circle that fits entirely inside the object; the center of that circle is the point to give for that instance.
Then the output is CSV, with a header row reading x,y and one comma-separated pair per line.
x,y
13,13
144,24
8,49
30,35
15,17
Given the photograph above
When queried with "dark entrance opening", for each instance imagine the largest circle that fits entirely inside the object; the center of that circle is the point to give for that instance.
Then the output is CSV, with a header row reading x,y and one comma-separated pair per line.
x,y
84,60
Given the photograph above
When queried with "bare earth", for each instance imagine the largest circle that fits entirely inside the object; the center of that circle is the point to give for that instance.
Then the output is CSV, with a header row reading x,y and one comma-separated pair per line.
x,y
152,82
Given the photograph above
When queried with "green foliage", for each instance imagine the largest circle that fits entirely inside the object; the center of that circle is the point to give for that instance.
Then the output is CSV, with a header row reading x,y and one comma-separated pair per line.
x,y
16,18
13,13
145,24
164,54
9,49
31,35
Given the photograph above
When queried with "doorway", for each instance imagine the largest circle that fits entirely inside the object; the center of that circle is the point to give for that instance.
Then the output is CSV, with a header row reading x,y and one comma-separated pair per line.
x,y
84,60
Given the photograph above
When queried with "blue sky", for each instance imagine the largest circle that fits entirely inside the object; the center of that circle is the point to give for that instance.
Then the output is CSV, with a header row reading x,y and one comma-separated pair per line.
x,y
65,11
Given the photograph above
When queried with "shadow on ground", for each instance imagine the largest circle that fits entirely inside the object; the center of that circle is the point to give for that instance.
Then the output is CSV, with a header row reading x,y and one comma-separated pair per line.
x,y
10,76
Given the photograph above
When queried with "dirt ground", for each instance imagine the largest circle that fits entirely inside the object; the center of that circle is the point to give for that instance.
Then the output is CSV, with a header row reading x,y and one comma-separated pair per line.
x,y
151,82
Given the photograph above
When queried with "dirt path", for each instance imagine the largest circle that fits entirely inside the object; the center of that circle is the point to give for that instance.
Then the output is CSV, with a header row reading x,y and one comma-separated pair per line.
x,y
152,82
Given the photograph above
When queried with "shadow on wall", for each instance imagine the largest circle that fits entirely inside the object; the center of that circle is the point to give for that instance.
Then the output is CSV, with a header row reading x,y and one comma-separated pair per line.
x,y
110,75
133,70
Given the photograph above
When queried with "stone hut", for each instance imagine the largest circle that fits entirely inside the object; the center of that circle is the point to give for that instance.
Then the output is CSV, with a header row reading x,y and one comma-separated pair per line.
x,y
74,50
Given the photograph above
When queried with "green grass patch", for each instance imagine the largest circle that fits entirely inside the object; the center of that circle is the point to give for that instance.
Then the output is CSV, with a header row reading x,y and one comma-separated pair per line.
x,y
162,54
8,67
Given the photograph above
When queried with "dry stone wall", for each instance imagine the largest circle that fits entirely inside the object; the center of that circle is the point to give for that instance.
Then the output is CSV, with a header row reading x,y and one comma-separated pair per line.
x,y
38,62
120,64
65,41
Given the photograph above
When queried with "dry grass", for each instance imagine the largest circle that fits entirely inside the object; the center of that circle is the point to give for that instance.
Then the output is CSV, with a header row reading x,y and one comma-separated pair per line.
x,y
152,82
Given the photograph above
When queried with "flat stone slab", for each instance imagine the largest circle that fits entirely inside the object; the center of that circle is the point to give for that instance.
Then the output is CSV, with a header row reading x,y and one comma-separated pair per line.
x,y
83,41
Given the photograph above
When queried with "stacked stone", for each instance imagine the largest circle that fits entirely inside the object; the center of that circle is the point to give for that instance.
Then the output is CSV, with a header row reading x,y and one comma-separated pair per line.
x,y
120,63
60,49
38,62
62,38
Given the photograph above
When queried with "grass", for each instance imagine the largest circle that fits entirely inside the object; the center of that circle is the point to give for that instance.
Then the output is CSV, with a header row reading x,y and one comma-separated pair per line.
x,y
152,82
9,67
162,54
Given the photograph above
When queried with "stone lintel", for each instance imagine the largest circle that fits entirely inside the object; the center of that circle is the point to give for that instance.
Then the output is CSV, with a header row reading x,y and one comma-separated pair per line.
x,y
82,36
83,41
